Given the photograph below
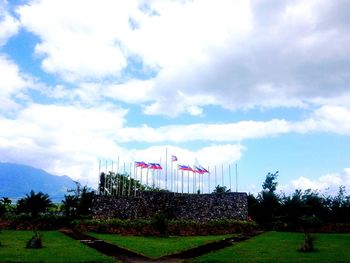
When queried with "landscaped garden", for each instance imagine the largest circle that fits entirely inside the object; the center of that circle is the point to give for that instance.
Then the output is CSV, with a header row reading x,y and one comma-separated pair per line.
x,y
284,247
56,248
155,247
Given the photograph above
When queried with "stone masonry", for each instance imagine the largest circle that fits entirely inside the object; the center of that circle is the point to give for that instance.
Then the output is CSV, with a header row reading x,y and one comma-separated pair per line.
x,y
202,207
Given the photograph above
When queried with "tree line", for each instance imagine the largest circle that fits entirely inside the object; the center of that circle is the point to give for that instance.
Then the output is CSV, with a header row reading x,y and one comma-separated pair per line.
x,y
76,204
301,209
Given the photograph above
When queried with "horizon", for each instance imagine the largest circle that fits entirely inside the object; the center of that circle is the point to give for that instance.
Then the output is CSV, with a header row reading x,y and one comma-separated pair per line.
x,y
262,85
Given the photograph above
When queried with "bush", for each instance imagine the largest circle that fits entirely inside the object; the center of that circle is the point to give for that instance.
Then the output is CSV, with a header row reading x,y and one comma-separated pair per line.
x,y
160,222
35,241
308,245
310,222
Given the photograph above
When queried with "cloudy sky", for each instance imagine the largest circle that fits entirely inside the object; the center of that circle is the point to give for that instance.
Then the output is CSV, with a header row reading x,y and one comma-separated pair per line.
x,y
264,84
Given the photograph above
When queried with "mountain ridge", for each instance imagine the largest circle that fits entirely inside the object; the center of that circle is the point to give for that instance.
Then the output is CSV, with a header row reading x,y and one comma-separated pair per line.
x,y
16,180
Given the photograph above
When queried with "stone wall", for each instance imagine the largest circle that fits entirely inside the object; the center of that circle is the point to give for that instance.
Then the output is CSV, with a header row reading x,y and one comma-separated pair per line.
x,y
177,206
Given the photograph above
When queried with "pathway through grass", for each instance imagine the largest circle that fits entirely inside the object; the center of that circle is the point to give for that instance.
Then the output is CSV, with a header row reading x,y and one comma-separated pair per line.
x,y
155,247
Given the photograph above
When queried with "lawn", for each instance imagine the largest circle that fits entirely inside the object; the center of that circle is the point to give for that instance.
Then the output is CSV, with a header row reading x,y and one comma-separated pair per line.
x,y
57,248
155,247
283,247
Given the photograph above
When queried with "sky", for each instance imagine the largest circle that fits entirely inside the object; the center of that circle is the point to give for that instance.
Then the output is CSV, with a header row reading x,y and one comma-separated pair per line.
x,y
260,84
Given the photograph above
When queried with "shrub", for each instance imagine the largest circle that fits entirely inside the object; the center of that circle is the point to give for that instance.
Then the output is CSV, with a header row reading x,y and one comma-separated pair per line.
x,y
160,222
35,241
308,245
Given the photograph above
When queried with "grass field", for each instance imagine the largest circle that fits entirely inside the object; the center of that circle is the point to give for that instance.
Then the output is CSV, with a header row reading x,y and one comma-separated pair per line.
x,y
57,248
283,247
155,247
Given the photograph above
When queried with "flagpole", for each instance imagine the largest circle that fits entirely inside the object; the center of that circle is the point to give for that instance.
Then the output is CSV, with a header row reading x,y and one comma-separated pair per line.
x,y
188,182
129,181
171,174
135,179
229,175
166,168
236,179
222,174
99,175
177,180
193,181
182,181
147,177
141,176
215,175
123,180
208,181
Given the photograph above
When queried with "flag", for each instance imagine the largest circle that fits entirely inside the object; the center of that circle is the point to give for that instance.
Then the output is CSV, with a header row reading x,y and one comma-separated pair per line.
x,y
184,168
198,170
141,164
159,167
173,158
155,166
203,169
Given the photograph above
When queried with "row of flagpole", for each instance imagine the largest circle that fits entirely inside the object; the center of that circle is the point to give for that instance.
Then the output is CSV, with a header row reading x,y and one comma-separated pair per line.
x,y
139,172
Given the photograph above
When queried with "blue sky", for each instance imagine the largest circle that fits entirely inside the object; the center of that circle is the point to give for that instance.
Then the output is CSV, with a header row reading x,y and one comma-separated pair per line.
x,y
263,84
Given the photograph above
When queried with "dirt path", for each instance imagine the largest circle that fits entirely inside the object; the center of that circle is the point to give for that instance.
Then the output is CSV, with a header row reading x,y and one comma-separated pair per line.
x,y
131,257
106,248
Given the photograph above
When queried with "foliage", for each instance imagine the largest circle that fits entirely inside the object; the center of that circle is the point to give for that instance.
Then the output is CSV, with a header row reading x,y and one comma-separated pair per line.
x,y
42,221
35,241
34,204
5,205
58,248
308,245
173,227
80,203
221,189
160,222
302,210
69,205
119,184
270,183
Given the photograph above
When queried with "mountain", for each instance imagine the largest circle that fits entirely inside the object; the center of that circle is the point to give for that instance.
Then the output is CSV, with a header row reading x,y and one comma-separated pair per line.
x,y
16,180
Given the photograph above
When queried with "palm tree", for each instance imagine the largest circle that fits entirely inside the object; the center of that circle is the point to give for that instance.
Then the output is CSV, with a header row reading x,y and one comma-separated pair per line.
x,y
34,203
221,189
70,204
5,205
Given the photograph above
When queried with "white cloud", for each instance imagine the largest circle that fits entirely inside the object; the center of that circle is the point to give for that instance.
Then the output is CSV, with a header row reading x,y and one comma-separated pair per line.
x,y
9,26
326,184
64,139
235,54
12,83
70,139
80,39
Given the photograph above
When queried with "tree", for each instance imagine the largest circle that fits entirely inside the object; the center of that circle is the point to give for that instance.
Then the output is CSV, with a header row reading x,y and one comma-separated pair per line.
x,y
5,205
221,189
269,201
70,204
34,204
270,183
119,184
85,202
292,207
80,203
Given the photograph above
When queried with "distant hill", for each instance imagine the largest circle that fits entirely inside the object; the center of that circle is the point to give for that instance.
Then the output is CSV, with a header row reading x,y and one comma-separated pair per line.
x,y
16,180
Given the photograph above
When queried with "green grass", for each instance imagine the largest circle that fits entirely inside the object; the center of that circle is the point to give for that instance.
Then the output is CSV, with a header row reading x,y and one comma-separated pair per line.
x,y
155,247
283,247
57,248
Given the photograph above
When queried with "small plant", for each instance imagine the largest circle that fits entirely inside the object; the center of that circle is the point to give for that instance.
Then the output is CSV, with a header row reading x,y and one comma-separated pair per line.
x,y
308,245
35,241
160,222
